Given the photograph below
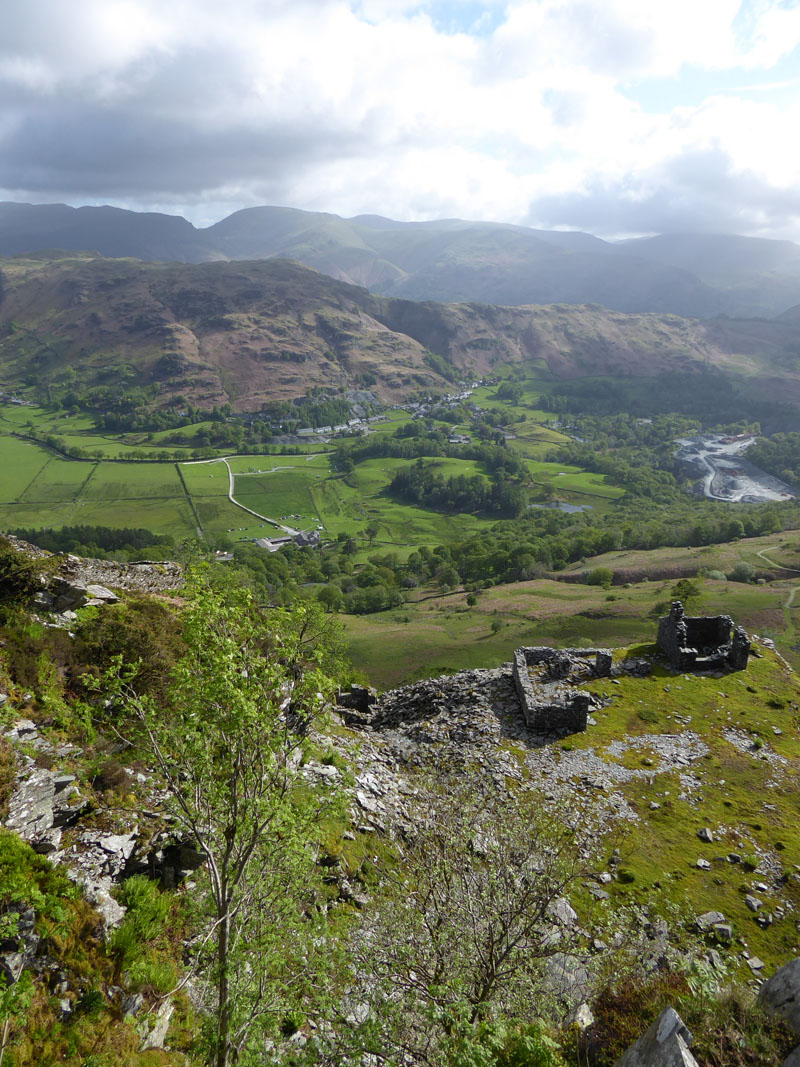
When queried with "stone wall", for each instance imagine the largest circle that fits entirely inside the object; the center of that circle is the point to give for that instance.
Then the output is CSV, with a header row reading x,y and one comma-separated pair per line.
x,y
704,642
545,680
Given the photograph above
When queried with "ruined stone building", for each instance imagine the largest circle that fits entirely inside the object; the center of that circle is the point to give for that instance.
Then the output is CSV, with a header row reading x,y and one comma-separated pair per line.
x,y
702,643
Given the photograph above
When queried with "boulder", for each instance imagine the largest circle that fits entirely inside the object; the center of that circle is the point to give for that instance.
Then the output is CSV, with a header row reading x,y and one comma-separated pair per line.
x,y
582,1017
68,593
709,919
30,810
666,1044
154,1036
99,592
780,995
562,911
568,978
40,807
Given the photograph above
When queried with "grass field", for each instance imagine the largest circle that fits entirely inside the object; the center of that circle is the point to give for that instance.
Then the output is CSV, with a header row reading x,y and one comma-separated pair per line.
x,y
40,488
764,553
149,495
283,494
743,787
79,431
573,484
346,505
22,464
59,480
440,632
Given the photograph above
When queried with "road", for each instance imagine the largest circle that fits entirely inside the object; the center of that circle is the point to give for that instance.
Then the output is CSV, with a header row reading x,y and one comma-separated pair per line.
x,y
290,530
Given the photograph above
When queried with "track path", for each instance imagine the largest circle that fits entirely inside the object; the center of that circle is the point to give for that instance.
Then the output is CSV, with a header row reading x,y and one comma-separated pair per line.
x,y
232,478
773,562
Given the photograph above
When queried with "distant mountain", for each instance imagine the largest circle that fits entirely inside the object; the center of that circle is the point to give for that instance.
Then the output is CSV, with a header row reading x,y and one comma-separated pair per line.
x,y
107,230
752,270
252,331
449,260
454,261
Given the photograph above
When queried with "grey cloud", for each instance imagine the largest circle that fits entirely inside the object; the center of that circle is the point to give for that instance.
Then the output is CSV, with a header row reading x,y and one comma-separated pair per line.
x,y
698,191
121,154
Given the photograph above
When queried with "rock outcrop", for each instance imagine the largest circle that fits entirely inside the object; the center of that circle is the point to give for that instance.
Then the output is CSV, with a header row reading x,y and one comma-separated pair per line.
x,y
71,582
780,996
666,1043
45,805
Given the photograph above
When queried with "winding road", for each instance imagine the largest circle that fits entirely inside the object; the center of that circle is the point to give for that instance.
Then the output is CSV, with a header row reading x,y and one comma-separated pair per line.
x,y
774,562
290,530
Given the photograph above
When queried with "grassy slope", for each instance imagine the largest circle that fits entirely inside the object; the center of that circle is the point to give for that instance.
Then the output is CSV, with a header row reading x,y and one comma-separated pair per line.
x,y
253,331
746,793
440,632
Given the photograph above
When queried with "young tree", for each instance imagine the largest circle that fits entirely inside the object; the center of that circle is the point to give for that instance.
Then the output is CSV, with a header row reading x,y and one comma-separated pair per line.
x,y
475,909
227,745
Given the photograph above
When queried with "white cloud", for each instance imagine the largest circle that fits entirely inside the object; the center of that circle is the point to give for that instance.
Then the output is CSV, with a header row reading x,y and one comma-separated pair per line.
x,y
400,107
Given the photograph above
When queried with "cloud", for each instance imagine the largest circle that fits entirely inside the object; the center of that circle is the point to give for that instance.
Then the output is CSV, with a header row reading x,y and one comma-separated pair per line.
x,y
699,191
505,110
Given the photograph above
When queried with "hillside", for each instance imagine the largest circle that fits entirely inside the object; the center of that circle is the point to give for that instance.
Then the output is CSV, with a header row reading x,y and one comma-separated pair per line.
x,y
211,334
659,845
449,260
244,333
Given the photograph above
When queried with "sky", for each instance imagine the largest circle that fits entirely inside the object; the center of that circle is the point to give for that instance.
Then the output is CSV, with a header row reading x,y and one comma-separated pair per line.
x,y
619,117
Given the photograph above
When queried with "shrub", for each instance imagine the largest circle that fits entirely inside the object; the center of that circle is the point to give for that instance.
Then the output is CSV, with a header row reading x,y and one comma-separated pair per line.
x,y
622,1013
20,574
111,775
742,572
143,630
148,910
8,768
600,576
731,1030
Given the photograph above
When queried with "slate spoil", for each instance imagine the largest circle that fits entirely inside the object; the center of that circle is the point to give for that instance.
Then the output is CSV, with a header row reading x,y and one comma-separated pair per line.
x,y
467,717
45,810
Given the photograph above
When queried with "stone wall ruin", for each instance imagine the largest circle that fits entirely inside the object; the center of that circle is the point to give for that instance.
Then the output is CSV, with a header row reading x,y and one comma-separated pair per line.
x,y
702,643
546,681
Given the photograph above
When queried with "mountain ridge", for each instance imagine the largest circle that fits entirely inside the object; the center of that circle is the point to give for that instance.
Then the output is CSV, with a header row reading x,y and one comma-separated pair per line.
x,y
448,260
246,333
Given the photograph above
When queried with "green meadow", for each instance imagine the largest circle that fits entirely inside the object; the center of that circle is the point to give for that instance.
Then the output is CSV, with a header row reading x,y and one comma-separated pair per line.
x,y
437,632
42,488
743,788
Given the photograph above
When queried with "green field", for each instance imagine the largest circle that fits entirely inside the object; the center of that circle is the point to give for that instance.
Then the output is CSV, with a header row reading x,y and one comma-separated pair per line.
x,y
59,480
348,504
573,485
41,488
22,465
136,494
283,494
437,632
